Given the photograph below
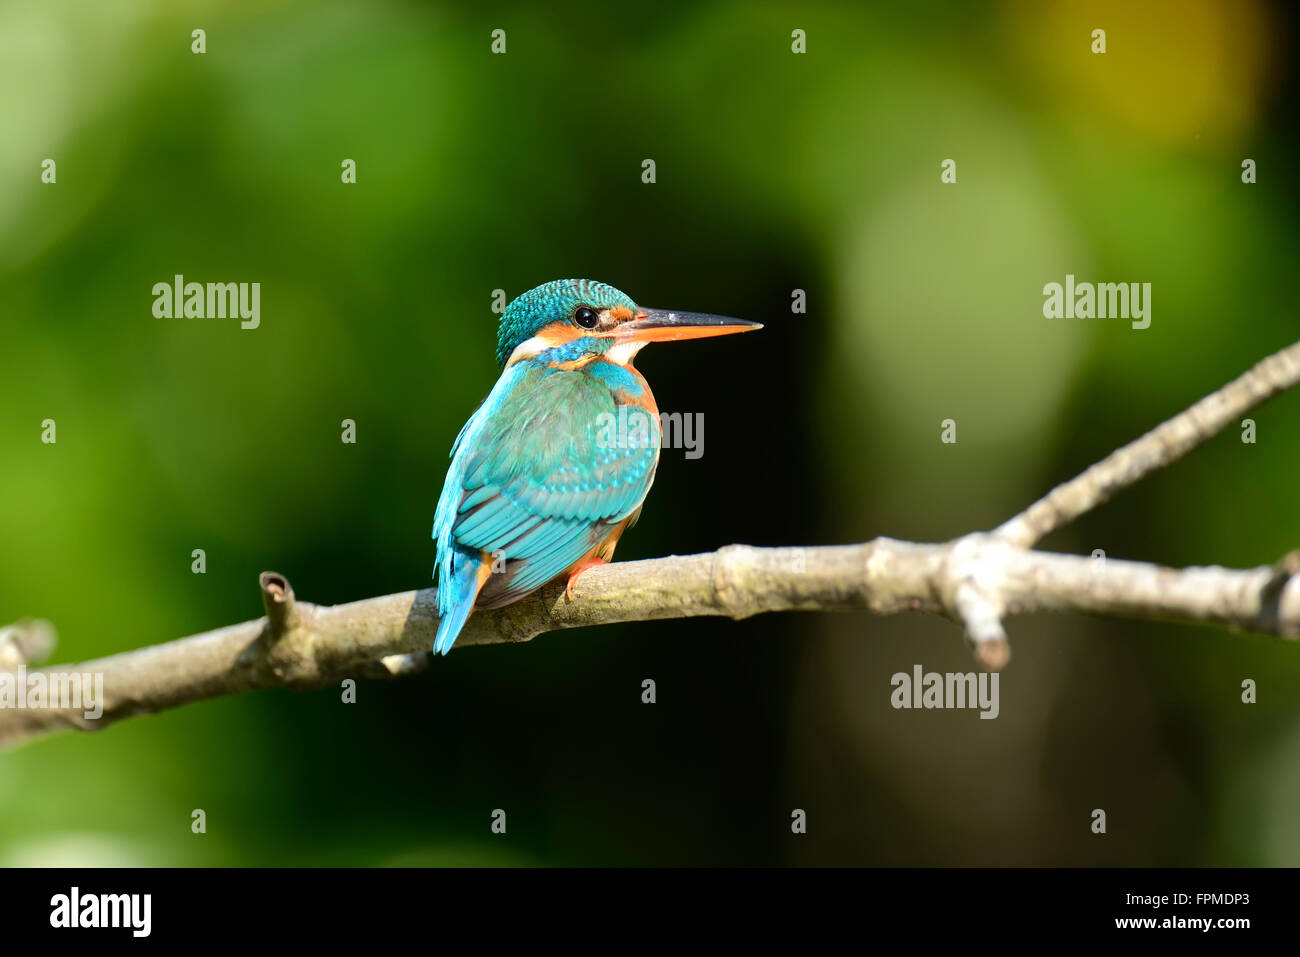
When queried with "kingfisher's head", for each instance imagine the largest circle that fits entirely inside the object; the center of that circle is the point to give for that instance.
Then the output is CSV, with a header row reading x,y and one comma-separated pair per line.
x,y
591,317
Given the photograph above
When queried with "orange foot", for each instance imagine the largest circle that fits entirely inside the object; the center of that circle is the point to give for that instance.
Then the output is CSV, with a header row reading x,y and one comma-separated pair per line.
x,y
589,562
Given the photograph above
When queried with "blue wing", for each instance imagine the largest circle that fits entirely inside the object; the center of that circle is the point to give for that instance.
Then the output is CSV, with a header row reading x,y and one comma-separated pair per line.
x,y
539,476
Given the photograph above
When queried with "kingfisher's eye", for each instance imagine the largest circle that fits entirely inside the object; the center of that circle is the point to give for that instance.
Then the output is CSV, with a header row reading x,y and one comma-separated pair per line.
x,y
586,317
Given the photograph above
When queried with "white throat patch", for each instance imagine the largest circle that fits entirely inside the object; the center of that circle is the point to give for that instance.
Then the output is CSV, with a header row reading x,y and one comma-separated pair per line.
x,y
624,351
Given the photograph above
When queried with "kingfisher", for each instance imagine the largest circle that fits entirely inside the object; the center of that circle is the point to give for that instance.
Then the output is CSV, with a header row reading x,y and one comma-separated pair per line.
x,y
553,467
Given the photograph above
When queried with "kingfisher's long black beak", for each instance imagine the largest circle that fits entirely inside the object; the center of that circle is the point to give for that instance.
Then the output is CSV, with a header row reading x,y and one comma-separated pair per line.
x,y
661,325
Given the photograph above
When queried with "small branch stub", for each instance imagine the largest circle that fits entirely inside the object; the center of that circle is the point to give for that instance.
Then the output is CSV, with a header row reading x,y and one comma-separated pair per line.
x,y
277,599
975,596
1283,588
26,642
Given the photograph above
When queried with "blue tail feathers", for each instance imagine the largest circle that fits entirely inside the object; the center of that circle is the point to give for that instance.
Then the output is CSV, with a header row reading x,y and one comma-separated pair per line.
x,y
457,589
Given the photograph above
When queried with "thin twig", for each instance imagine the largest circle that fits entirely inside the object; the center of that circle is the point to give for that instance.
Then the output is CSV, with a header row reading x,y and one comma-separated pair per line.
x,y
1166,443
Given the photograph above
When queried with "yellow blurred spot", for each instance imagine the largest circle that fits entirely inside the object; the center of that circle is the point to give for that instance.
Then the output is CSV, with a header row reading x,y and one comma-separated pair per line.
x,y
1177,71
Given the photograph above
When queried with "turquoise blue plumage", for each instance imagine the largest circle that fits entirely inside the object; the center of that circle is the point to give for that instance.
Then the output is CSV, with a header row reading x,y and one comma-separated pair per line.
x,y
556,462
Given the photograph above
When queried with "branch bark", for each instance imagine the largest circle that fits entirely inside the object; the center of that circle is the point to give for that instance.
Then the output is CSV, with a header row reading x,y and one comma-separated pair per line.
x,y
976,580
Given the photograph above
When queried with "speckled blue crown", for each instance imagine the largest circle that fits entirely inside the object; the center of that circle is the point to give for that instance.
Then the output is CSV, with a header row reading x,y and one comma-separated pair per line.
x,y
552,302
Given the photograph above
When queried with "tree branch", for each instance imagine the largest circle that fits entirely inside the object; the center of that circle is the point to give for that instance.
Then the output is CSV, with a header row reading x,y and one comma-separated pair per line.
x,y
317,645
976,580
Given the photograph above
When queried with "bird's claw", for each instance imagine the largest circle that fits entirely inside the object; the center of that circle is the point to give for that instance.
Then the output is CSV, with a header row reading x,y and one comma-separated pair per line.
x,y
573,576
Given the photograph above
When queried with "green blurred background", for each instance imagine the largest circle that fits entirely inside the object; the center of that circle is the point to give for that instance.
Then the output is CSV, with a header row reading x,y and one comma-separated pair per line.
x,y
775,171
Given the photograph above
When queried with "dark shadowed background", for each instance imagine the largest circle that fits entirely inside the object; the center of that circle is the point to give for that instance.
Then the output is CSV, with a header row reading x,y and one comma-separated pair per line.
x,y
776,171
